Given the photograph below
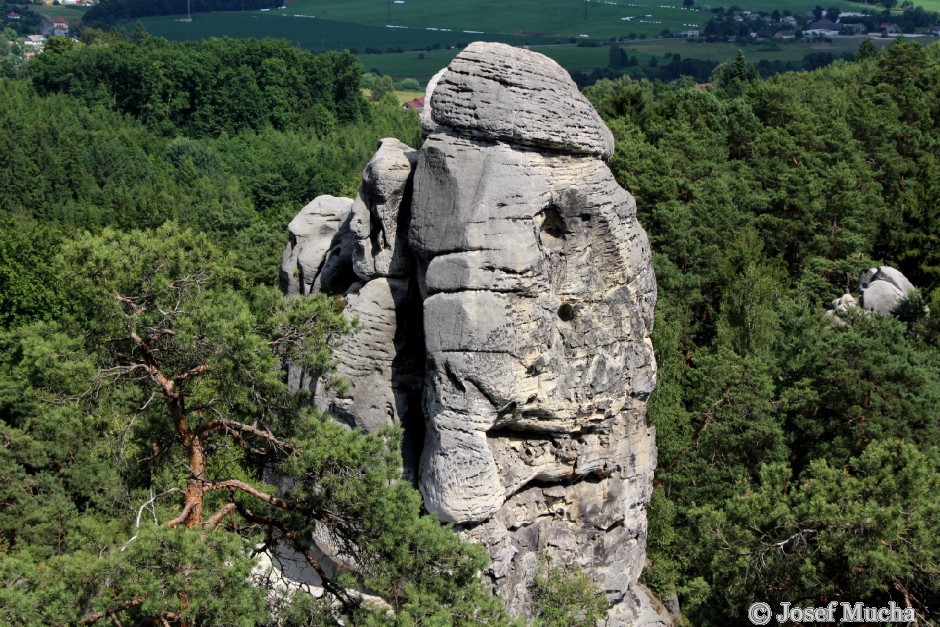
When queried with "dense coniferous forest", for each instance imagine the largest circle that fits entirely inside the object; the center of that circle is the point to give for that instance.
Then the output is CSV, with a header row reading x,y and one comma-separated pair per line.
x,y
798,455
141,392
146,188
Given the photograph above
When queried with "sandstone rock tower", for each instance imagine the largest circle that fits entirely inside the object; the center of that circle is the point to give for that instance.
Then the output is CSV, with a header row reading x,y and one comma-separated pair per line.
x,y
506,294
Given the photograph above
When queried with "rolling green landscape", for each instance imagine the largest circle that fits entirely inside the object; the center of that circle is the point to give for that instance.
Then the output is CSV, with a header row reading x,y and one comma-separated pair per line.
x,y
418,37
412,22
423,65
147,186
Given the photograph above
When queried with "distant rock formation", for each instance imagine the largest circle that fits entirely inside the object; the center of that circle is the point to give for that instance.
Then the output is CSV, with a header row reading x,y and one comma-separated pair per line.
x,y
506,294
881,289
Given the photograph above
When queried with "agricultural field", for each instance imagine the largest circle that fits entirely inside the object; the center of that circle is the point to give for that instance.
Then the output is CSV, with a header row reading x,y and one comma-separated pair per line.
x,y
422,66
929,5
73,15
410,24
308,32
415,38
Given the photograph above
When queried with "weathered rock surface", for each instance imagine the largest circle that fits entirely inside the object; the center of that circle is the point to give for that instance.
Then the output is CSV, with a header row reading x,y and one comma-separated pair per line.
x,y
882,297
883,289
382,364
511,288
378,217
354,249
539,297
845,303
515,96
887,274
319,252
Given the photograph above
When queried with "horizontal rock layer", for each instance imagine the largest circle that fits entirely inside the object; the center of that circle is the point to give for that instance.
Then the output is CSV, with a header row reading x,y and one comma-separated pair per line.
x,y
499,92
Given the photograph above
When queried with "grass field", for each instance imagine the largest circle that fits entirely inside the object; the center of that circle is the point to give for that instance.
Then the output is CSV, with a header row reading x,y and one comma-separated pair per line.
x,y
422,34
73,15
338,24
308,32
600,19
401,96
929,5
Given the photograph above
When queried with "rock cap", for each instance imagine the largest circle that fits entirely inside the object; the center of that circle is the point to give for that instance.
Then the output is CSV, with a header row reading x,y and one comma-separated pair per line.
x,y
502,93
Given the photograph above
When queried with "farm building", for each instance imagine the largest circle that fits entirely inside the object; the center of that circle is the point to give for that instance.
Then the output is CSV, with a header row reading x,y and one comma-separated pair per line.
x,y
822,28
415,105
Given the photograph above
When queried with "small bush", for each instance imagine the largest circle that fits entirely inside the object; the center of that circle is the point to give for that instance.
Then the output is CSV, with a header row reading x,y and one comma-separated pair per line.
x,y
565,595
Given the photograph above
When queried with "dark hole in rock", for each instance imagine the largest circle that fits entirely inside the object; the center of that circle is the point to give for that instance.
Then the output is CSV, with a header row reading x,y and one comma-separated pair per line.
x,y
553,230
566,312
585,217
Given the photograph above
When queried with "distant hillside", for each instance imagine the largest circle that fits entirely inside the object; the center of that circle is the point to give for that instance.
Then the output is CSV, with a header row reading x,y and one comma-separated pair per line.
x,y
414,38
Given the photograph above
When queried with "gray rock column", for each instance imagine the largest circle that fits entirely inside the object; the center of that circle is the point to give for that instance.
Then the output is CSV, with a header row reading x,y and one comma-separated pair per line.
x,y
538,305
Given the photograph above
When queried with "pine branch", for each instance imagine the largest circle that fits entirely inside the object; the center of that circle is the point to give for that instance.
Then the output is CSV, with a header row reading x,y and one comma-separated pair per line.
x,y
227,425
94,618
213,520
348,601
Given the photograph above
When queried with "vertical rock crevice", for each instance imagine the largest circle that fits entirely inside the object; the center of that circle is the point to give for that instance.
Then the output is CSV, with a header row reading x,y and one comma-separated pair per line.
x,y
358,252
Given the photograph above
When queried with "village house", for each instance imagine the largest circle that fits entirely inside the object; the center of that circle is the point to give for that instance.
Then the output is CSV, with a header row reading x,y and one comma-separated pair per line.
x,y
60,27
854,29
35,41
822,28
415,105
890,30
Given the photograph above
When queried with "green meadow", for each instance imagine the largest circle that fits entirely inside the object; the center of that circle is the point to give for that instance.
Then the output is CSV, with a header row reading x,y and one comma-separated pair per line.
x,y
929,5
383,24
415,38
307,31
73,15
422,66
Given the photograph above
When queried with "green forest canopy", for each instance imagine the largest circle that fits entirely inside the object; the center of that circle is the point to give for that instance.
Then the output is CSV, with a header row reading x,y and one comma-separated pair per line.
x,y
798,457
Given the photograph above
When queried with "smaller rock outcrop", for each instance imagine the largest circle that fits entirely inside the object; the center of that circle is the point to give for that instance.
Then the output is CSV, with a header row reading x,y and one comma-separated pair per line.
x,y
883,289
318,256
357,249
380,213
844,303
